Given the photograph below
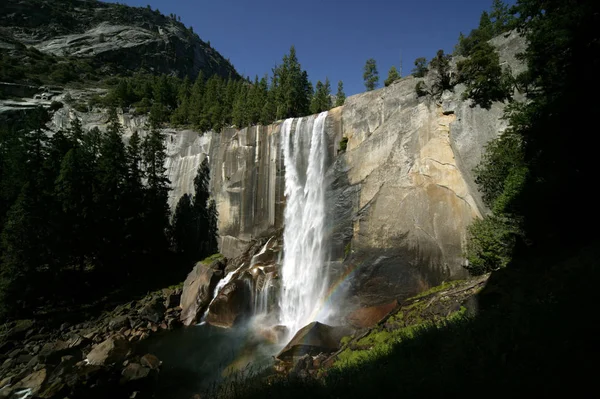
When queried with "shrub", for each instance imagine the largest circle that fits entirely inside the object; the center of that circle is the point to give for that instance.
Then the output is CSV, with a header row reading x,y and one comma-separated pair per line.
x,y
421,89
491,243
343,144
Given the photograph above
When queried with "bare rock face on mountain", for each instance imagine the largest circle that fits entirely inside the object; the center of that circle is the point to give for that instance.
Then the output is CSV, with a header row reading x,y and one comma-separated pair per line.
x,y
113,37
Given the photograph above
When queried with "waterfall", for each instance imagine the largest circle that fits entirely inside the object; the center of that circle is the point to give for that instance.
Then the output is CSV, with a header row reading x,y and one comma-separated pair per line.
x,y
303,275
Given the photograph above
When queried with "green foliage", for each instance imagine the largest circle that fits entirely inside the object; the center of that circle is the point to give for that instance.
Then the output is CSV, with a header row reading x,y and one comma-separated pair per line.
x,y
483,76
420,69
501,157
321,100
491,243
421,89
499,20
440,66
343,144
340,96
393,76
195,220
75,214
370,74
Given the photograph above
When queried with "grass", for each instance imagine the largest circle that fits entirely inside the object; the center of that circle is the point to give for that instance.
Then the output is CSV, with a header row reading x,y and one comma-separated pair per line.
x,y
535,335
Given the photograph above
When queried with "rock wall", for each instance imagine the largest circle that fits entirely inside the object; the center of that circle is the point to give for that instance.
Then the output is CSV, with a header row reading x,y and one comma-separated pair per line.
x,y
399,198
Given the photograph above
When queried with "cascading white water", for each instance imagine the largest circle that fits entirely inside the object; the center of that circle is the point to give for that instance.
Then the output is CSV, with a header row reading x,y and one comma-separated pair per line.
x,y
303,275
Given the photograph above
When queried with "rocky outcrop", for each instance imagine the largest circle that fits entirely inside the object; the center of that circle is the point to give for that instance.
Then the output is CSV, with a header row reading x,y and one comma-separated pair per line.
x,y
198,289
112,37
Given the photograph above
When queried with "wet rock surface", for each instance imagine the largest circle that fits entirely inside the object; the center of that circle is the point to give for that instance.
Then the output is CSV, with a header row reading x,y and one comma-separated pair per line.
x,y
198,289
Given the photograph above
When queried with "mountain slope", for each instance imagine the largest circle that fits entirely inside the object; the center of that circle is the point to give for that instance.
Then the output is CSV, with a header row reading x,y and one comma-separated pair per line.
x,y
59,41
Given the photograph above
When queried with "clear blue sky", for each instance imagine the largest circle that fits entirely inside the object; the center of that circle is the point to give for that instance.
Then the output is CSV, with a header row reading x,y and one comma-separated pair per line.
x,y
333,38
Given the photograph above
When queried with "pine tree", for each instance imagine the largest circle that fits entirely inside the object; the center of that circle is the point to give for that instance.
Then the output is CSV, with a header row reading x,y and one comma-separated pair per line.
x,y
240,107
74,193
392,76
370,75
22,244
181,115
315,104
112,175
502,19
340,97
197,100
184,227
202,236
440,64
133,199
420,69
157,191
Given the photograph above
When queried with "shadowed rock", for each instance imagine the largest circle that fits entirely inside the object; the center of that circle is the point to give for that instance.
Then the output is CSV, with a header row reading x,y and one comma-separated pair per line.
x,y
113,350
313,339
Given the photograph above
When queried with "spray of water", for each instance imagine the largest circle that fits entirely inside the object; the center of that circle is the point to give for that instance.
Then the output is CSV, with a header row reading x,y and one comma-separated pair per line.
x,y
303,275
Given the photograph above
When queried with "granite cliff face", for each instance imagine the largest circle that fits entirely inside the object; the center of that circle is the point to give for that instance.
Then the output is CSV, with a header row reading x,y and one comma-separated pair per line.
x,y
399,198
112,37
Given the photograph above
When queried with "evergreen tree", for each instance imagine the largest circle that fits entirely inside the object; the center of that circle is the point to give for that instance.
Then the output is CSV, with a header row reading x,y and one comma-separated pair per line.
x,y
22,244
502,19
157,191
483,76
240,107
392,76
212,247
181,115
74,193
440,64
133,199
321,100
420,69
340,96
202,235
112,175
184,225
197,101
370,75
315,104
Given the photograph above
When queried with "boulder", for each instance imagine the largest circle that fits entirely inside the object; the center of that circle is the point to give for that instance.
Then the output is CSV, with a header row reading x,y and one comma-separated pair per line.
x,y
134,372
150,361
172,298
51,352
153,311
198,290
33,381
369,316
118,322
113,350
314,339
231,305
